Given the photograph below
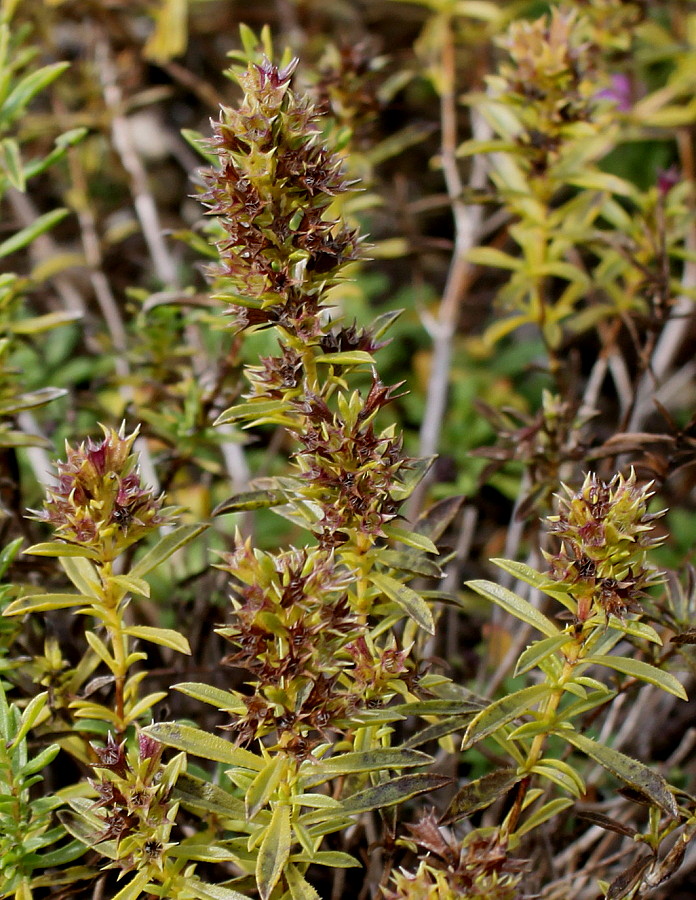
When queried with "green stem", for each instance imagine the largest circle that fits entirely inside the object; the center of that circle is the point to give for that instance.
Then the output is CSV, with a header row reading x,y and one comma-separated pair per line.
x,y
119,645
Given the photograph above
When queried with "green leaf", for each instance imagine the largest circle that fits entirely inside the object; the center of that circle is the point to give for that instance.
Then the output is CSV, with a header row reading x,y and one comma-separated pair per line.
x,y
166,547
39,324
397,790
249,500
45,602
410,538
28,88
503,711
562,779
631,771
489,256
436,731
349,358
200,743
30,400
300,888
539,651
11,163
264,785
641,670
29,717
166,637
274,851
259,412
203,796
207,693
39,226
363,761
480,793
131,585
60,548
134,888
82,574
201,890
543,814
441,707
333,858
405,597
515,605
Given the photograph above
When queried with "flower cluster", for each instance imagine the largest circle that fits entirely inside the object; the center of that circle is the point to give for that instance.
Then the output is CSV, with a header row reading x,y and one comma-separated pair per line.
x,y
134,801
347,468
291,624
99,501
271,192
606,531
476,869
551,81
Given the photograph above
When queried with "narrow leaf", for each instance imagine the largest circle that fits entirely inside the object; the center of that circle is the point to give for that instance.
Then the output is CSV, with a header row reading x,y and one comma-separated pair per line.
x,y
39,226
480,793
134,888
515,605
629,770
207,693
166,547
643,671
264,784
503,711
300,888
539,651
349,358
546,812
363,761
45,602
274,851
166,637
200,743
199,795
249,500
395,791
405,597
60,548
28,88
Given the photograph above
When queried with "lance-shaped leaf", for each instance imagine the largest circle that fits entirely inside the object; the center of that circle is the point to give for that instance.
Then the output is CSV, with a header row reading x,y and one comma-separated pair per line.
x,y
633,772
249,500
411,602
300,888
643,671
274,851
394,791
200,743
201,890
515,605
134,888
46,602
165,637
480,793
31,232
29,86
265,783
60,548
363,761
437,730
203,796
503,711
537,652
166,547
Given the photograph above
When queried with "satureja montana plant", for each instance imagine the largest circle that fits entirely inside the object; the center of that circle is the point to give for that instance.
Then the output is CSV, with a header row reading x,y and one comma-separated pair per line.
x,y
327,635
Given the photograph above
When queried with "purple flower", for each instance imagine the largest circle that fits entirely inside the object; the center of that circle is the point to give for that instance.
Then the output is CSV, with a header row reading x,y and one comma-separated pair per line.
x,y
621,92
